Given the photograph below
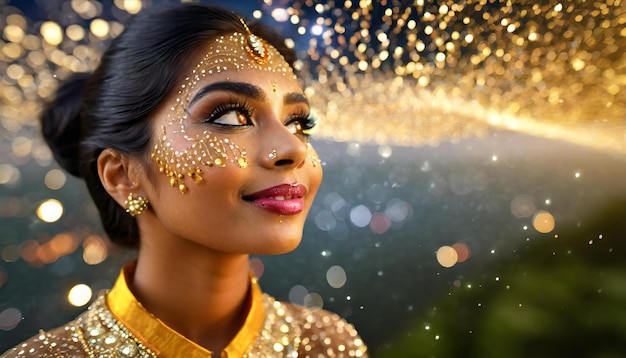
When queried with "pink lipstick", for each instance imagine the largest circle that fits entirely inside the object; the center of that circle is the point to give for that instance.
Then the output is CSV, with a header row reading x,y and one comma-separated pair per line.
x,y
284,199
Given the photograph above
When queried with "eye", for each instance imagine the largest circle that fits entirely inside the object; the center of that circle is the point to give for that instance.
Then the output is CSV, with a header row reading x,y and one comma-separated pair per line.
x,y
298,124
230,115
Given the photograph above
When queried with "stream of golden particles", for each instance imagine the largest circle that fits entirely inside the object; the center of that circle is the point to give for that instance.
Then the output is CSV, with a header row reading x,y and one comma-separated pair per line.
x,y
404,73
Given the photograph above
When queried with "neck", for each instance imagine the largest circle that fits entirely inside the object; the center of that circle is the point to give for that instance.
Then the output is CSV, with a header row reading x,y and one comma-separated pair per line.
x,y
200,293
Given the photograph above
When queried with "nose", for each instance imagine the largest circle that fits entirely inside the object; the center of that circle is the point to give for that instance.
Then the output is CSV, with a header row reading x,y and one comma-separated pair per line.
x,y
282,149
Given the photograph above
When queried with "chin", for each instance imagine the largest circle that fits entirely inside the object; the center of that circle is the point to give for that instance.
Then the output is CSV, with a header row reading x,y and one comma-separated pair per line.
x,y
280,246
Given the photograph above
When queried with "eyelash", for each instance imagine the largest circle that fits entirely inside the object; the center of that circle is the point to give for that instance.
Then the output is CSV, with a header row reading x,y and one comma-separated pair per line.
x,y
306,120
243,108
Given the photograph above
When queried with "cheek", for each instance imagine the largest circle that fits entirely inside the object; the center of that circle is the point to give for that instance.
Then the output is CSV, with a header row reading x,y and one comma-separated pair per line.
x,y
315,175
317,179
201,212
184,158
312,156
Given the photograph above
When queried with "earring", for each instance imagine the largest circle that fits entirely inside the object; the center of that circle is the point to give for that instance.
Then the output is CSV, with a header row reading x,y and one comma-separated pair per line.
x,y
135,206
273,154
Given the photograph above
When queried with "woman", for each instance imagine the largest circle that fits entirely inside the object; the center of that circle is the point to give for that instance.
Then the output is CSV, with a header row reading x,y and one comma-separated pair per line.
x,y
191,137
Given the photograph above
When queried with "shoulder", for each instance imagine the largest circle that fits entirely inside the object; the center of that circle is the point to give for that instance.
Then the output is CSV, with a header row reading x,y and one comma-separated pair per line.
x,y
58,342
323,333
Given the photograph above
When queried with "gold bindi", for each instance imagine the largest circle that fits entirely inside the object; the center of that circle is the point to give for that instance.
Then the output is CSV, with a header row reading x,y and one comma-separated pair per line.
x,y
183,163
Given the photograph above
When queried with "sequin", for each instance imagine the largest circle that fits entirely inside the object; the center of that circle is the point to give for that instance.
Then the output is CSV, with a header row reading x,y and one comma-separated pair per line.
x,y
286,332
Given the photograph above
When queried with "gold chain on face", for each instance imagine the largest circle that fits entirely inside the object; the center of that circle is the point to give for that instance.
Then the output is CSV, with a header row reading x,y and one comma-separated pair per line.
x,y
234,52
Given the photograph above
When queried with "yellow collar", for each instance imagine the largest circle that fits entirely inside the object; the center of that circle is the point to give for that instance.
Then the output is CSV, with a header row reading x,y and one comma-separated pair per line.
x,y
163,340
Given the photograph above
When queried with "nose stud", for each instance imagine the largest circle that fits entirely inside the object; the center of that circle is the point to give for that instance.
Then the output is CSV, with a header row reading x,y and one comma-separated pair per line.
x,y
272,154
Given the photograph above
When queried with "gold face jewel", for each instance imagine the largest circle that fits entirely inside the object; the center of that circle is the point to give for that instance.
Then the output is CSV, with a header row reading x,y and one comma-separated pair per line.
x,y
233,52
207,150
312,155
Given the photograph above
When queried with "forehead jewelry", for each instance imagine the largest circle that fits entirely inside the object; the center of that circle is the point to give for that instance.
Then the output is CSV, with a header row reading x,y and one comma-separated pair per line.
x,y
230,52
256,47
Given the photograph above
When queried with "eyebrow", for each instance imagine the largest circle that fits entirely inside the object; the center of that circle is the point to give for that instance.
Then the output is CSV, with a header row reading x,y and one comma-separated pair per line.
x,y
246,89
294,97
242,88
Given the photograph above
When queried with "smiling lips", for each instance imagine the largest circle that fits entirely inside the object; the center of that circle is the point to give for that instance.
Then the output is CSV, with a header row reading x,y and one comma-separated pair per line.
x,y
284,199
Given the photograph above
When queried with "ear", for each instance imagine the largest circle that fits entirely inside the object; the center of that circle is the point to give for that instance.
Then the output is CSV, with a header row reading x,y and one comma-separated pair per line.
x,y
117,174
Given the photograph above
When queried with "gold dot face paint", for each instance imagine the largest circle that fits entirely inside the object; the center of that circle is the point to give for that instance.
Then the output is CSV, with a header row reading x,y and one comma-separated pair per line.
x,y
234,52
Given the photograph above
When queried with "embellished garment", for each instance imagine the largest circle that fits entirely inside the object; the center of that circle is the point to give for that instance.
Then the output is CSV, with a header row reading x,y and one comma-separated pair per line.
x,y
117,325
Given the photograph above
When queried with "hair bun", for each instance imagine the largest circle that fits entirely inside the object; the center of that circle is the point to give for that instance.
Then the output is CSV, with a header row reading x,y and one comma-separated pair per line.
x,y
61,123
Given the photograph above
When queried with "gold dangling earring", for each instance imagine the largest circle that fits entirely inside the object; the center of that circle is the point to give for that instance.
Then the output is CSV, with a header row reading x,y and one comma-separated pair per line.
x,y
136,206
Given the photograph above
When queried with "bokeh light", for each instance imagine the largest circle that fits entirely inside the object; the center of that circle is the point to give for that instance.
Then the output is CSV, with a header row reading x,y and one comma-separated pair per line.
x,y
360,216
94,250
313,300
543,222
297,294
463,251
52,33
9,174
22,146
257,267
132,6
10,318
325,220
385,151
79,295
64,244
447,256
523,206
398,210
54,179
379,223
336,276
100,28
50,210
11,253
280,15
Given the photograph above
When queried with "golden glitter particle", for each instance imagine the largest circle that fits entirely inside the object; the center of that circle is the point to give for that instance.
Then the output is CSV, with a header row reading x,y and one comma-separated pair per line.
x,y
427,71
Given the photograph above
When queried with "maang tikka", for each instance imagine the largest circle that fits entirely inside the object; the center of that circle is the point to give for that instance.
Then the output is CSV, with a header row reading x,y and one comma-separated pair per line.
x,y
232,52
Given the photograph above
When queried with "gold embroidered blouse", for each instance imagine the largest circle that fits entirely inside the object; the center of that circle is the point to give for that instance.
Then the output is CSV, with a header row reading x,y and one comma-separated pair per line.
x,y
117,325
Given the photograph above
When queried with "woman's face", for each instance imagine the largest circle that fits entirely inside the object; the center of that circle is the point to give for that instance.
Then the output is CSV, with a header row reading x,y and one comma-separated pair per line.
x,y
234,171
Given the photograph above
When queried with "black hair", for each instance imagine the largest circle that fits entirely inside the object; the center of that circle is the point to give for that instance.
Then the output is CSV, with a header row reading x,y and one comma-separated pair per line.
x,y
111,107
